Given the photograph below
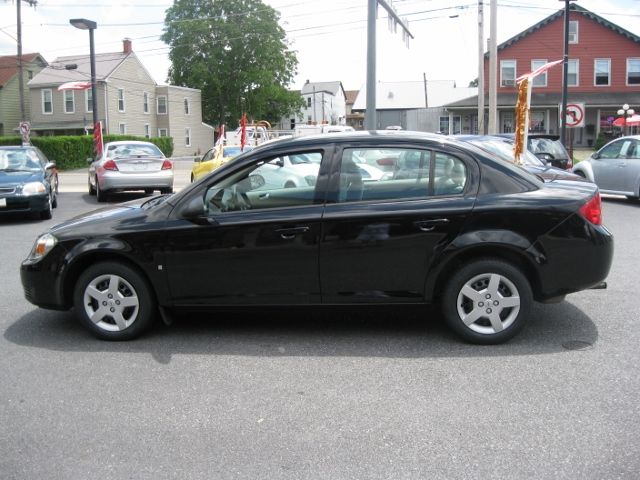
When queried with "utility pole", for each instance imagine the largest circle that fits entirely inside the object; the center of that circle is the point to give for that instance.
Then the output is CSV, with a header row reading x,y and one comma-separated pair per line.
x,y
493,68
31,3
565,74
480,69
370,112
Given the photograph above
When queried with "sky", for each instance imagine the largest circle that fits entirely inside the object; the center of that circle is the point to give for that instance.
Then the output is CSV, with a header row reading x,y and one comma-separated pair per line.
x,y
329,36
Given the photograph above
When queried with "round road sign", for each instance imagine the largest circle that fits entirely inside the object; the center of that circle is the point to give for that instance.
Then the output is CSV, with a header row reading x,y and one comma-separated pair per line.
x,y
575,115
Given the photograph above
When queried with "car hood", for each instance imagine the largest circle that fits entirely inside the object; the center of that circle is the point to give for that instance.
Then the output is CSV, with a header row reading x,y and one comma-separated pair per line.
x,y
551,174
122,216
14,179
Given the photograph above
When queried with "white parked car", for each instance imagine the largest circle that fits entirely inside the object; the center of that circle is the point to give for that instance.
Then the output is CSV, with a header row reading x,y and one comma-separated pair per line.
x,y
290,171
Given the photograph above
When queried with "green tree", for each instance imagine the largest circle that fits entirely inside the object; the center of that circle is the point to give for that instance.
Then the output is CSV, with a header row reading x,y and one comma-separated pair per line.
x,y
236,53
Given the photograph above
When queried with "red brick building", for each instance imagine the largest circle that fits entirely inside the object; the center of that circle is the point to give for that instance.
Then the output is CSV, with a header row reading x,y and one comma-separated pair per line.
x,y
603,74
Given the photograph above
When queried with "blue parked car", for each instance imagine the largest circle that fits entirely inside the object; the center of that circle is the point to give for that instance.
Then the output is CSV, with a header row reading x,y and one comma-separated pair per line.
x,y
28,182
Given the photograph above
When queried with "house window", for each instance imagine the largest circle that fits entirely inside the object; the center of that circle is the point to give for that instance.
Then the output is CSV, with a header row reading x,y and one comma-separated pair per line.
x,y
444,125
633,71
507,73
187,137
162,132
540,80
507,122
162,105
47,101
147,131
122,127
145,102
121,99
536,122
572,73
308,102
573,31
69,104
88,100
457,125
187,107
602,71
29,74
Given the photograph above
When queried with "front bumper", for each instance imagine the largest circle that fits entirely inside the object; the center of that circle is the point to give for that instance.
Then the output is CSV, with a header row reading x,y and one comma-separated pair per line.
x,y
24,203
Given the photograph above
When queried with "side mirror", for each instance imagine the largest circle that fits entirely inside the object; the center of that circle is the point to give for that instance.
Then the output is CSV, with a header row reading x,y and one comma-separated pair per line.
x,y
194,212
595,156
280,163
197,159
50,165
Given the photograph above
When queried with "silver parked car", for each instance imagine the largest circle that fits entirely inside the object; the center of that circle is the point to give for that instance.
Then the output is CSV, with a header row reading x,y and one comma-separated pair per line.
x,y
130,165
615,168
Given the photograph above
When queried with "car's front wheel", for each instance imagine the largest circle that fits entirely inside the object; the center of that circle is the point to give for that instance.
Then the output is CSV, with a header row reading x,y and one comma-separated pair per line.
x,y
114,301
487,301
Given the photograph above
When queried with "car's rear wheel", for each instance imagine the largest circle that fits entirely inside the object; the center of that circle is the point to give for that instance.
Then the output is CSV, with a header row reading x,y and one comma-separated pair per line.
x,y
580,174
92,189
114,301
101,195
487,301
166,190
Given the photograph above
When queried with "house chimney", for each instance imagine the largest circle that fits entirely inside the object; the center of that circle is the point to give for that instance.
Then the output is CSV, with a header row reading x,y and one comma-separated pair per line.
x,y
126,45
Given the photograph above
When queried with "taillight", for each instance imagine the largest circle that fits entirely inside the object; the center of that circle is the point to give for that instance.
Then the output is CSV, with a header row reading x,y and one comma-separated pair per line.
x,y
386,162
167,165
110,165
592,210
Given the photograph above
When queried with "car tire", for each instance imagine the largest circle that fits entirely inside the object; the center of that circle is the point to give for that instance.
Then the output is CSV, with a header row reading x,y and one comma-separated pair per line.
x,y
101,195
289,184
495,281
192,178
580,174
114,301
54,203
92,189
166,190
148,191
47,213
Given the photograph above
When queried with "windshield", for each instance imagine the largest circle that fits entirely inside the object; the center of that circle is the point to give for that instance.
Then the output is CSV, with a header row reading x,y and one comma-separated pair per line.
x,y
234,151
504,150
547,145
124,150
19,159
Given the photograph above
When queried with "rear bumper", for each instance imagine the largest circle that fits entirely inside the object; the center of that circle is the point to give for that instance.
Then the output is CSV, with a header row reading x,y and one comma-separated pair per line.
x,y
575,256
136,181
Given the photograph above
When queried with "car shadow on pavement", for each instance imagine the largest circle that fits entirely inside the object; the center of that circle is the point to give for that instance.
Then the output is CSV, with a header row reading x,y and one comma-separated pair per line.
x,y
398,333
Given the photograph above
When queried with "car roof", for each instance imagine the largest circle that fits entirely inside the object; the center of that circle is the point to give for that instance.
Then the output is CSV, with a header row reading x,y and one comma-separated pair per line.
x,y
384,136
131,142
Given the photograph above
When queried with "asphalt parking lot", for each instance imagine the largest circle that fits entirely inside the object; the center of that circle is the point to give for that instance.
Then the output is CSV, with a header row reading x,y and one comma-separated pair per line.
x,y
317,394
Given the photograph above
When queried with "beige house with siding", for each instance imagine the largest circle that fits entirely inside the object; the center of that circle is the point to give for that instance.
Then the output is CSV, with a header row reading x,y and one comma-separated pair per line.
x,y
129,102
10,114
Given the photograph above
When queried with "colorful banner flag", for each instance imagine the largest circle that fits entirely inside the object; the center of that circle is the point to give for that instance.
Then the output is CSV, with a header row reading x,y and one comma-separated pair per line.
x,y
75,86
98,145
243,131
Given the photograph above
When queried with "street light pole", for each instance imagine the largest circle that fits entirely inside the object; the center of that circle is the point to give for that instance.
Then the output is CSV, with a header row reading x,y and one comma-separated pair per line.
x,y
84,24
626,112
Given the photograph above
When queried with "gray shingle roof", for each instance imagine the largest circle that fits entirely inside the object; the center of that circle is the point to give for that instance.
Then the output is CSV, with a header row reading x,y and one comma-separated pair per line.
x,y
411,95
56,73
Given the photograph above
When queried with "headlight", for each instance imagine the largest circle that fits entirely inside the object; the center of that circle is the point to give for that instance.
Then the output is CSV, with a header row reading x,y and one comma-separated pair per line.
x,y
311,180
44,244
34,188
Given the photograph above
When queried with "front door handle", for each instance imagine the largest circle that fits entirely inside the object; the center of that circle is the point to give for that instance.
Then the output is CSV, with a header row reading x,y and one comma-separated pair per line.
x,y
430,225
290,233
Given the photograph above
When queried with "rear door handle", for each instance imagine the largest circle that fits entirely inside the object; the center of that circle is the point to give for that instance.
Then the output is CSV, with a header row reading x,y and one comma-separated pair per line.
x,y
429,225
289,233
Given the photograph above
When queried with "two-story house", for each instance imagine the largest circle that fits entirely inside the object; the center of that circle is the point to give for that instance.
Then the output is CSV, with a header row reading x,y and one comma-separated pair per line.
x,y
603,74
128,99
325,102
10,111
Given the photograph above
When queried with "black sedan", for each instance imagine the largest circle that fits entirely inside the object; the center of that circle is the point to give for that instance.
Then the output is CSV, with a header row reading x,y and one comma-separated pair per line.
x,y
28,182
473,233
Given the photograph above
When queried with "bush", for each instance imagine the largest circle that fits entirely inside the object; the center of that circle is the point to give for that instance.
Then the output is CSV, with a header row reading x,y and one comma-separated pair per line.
x,y
601,141
72,151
